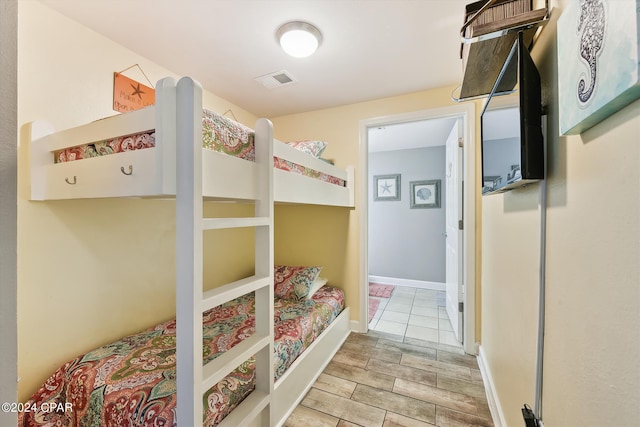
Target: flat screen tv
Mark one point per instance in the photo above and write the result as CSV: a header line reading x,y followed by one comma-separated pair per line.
x,y
512,141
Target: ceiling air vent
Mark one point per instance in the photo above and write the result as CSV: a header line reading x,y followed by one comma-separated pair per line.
x,y
277,79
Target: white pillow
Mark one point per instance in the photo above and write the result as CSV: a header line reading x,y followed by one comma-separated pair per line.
x,y
317,284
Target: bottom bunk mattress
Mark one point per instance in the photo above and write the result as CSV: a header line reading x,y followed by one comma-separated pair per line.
x,y
132,382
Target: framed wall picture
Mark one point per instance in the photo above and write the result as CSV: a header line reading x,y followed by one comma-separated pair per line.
x,y
598,66
386,187
425,194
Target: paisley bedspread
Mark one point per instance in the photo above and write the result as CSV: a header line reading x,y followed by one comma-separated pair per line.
x,y
131,382
218,133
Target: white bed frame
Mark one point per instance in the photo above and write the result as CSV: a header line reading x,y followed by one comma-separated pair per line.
x,y
152,172
192,176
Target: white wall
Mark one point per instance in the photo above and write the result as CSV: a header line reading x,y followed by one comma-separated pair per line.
x,y
407,243
8,209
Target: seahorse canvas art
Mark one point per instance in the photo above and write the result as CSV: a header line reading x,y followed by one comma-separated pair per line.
x,y
598,54
591,26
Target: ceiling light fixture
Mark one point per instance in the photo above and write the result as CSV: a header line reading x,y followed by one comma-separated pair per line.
x,y
299,39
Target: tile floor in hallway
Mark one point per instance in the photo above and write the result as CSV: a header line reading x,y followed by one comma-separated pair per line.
x,y
414,313
383,380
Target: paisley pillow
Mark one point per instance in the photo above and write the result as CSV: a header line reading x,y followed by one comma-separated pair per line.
x,y
227,136
313,148
294,282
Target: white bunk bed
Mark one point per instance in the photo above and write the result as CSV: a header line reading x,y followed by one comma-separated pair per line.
x,y
152,172
191,175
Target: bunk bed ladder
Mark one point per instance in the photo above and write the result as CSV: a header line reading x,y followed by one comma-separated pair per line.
x,y
194,379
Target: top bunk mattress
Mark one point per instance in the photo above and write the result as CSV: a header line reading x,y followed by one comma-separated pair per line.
x,y
219,134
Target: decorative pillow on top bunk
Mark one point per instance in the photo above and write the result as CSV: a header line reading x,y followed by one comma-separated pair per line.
x,y
294,282
313,148
227,136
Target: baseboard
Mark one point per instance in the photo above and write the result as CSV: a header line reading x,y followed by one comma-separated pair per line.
x,y
492,396
355,326
422,284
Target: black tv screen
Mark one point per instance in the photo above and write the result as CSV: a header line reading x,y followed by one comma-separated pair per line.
x,y
511,123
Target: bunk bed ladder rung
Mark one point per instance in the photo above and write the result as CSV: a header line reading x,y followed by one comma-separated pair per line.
x,y
193,379
248,409
220,367
230,291
222,223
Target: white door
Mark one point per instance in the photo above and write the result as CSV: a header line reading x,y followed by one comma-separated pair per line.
x,y
453,232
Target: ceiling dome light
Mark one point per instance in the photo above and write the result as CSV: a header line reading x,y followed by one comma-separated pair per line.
x,y
299,39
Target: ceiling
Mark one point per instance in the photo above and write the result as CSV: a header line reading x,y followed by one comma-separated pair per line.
x,y
404,136
371,49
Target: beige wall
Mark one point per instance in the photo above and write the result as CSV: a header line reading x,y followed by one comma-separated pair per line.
x,y
591,369
313,235
87,274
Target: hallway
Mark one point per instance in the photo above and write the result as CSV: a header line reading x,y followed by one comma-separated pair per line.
x,y
415,313
376,380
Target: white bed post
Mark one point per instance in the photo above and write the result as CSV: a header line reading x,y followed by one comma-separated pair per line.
x,y
189,253
165,119
264,260
193,379
351,184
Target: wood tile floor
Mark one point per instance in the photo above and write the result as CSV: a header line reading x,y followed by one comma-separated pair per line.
x,y
382,380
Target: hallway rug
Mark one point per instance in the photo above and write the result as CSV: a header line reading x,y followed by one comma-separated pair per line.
x,y
373,307
381,291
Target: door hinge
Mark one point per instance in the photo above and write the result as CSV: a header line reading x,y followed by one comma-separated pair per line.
x,y
461,307
461,142
460,224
